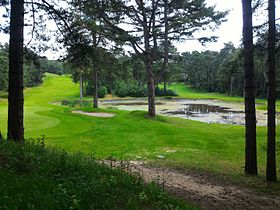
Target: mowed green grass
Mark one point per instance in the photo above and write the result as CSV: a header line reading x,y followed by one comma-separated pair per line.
x,y
184,91
132,135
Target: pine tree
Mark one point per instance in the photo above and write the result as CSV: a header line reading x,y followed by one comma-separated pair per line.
x,y
250,110
15,89
271,162
149,26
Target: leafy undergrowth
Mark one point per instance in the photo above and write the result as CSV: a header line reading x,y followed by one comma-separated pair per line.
x,y
33,177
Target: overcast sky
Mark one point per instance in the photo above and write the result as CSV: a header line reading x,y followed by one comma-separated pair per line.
x,y
228,31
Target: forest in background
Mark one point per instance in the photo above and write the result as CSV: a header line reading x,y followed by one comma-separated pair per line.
x,y
34,67
124,75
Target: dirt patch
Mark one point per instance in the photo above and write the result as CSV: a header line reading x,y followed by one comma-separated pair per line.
x,y
201,190
95,114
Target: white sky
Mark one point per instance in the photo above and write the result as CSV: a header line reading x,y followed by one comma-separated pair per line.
x,y
228,31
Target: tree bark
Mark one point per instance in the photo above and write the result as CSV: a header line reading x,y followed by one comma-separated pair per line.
x,y
149,67
16,98
231,85
151,92
166,41
95,87
81,86
271,161
250,110
164,85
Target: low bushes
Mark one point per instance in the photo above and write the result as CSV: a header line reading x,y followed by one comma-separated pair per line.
x,y
131,88
76,103
102,91
134,89
33,177
162,92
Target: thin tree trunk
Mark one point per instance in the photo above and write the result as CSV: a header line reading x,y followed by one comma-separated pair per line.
x,y
271,162
95,85
166,42
231,85
151,92
250,110
16,98
149,70
164,85
81,86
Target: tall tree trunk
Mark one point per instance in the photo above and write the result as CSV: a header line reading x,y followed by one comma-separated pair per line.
x,y
95,87
149,70
250,110
151,92
271,162
164,85
166,42
231,85
15,98
81,86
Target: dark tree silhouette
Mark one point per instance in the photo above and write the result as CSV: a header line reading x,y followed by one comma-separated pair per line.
x,y
271,162
15,98
250,110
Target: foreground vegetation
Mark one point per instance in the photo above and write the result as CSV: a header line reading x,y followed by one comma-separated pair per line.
x,y
32,177
215,148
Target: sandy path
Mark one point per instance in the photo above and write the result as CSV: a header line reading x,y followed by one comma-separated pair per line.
x,y
200,190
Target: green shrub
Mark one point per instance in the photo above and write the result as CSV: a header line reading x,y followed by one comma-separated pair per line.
x,y
102,91
120,89
131,88
161,92
76,103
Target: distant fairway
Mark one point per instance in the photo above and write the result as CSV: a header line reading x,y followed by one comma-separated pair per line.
x,y
130,135
42,117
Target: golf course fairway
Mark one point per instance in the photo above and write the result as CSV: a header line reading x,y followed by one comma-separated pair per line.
x,y
132,135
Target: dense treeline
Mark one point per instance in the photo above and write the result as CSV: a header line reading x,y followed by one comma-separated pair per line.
x,y
223,71
124,75
34,67
211,71
119,74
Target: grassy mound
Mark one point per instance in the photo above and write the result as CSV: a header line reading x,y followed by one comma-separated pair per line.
x,y
32,177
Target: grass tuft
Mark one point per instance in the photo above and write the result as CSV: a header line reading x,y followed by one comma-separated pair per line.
x,y
32,177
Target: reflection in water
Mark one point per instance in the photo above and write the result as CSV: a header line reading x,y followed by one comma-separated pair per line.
x,y
209,111
203,109
134,103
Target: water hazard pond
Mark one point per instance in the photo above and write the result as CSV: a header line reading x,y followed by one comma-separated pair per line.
x,y
209,111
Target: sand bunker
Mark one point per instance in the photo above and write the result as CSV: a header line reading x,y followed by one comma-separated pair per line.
x,y
94,114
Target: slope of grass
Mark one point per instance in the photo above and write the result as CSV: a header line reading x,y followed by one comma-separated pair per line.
x,y
184,91
32,177
131,135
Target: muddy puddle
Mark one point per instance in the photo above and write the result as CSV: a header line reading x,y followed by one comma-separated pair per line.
x,y
209,111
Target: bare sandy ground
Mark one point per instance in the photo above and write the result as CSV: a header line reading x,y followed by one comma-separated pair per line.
x,y
95,114
203,191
